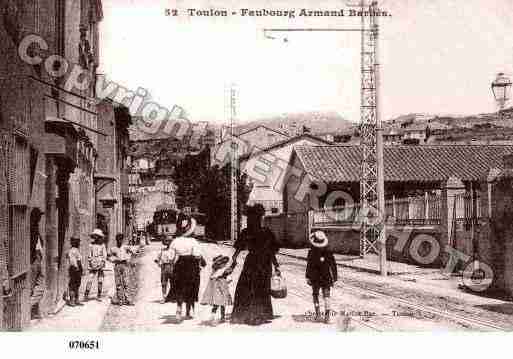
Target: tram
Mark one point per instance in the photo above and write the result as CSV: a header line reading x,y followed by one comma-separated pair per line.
x,y
164,222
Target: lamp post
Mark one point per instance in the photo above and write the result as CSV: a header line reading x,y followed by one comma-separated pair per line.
x,y
501,88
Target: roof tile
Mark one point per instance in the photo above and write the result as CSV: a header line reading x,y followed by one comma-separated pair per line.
x,y
404,163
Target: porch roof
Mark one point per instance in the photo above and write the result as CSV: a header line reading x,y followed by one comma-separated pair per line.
x,y
430,163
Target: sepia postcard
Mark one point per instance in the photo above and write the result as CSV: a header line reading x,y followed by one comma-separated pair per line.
x,y
228,166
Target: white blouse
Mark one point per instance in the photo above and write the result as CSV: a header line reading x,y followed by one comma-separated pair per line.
x,y
186,246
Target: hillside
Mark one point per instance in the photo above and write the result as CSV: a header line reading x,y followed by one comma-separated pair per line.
x,y
317,122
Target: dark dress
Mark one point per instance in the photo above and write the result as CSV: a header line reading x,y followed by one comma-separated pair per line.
x,y
321,268
252,300
186,280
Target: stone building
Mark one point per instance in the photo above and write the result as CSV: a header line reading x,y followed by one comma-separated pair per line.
x,y
113,202
48,146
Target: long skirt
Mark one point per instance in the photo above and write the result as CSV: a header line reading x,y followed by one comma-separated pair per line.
x,y
252,302
186,280
217,293
121,278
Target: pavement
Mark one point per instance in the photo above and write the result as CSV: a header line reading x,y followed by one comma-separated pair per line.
x,y
363,311
89,316
150,315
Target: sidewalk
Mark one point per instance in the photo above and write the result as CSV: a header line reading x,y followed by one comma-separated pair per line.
x,y
88,317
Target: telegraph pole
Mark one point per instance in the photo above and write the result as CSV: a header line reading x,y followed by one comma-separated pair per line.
x,y
372,189
233,166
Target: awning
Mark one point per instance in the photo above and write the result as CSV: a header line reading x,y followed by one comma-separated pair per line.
x,y
61,139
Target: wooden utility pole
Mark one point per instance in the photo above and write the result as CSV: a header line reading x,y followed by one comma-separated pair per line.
x,y
233,166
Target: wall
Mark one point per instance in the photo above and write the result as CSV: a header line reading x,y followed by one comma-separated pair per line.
x,y
495,236
146,205
267,171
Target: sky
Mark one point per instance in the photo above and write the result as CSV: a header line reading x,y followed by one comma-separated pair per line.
x,y
437,56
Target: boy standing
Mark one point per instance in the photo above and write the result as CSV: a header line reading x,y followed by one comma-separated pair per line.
x,y
321,272
97,259
75,272
165,260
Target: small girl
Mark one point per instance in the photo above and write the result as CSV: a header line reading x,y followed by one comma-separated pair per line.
x,y
217,293
321,272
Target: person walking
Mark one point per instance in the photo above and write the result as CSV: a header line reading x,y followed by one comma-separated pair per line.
x,y
97,259
120,256
321,272
187,262
217,293
75,272
252,301
165,260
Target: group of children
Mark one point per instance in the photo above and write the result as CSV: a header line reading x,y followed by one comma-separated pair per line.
x,y
97,258
321,275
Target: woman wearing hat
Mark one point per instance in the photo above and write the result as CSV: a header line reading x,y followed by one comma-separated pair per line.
x,y
217,293
187,259
321,272
252,301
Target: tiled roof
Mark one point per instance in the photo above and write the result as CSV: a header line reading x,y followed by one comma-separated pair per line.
x,y
404,163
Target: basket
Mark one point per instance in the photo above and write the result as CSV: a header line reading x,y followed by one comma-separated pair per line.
x,y
278,287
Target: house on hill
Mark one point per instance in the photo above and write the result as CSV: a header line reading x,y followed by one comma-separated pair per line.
x,y
251,140
265,169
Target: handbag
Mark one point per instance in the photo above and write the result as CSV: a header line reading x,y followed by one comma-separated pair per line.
x,y
278,287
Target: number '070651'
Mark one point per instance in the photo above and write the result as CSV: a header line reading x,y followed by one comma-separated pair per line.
x,y
84,344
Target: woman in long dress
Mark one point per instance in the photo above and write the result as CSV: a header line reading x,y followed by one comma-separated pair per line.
x,y
252,300
187,261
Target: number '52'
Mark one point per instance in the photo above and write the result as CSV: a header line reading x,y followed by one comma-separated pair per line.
x,y
171,12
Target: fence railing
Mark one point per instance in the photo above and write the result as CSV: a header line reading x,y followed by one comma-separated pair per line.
x,y
425,210
467,208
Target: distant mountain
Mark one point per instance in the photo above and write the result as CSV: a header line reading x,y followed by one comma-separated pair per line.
x,y
317,122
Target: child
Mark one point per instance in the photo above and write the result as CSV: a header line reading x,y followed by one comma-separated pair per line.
x,y
97,259
75,272
165,260
217,293
120,256
321,272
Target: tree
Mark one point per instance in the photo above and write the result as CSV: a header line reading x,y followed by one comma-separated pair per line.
x,y
215,202
208,190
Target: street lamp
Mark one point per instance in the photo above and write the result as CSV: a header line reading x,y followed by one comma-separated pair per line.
x,y
501,88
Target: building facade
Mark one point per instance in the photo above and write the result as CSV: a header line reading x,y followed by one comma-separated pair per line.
x,y
50,132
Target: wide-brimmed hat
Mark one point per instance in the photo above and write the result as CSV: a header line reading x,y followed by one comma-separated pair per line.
x,y
318,239
185,226
219,261
97,233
